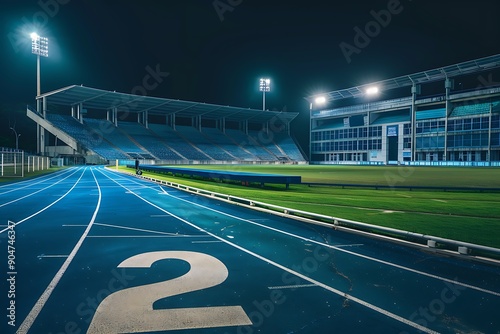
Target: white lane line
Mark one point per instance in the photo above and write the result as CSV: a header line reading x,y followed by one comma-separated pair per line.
x,y
137,229
36,192
39,180
50,256
444,279
306,278
351,245
206,242
48,206
339,248
292,286
35,311
147,236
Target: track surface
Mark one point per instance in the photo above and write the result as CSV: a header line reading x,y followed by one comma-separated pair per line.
x,y
100,252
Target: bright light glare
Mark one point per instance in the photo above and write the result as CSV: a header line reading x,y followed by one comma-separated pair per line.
x,y
372,90
34,35
320,100
265,85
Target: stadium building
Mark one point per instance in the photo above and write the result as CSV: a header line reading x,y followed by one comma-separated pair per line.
x,y
80,124
444,116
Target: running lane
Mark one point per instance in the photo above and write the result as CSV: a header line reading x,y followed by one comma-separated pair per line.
x,y
147,258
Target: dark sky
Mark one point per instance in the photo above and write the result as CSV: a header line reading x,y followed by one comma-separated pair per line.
x,y
217,55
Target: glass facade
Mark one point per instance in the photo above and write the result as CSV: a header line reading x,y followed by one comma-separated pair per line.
x,y
466,139
347,139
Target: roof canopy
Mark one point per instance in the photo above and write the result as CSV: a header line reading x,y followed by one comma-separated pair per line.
x,y
437,74
92,98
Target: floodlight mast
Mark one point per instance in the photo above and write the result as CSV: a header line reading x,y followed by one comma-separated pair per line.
x,y
264,86
39,47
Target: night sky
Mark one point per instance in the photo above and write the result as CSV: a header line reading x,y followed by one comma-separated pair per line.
x,y
215,51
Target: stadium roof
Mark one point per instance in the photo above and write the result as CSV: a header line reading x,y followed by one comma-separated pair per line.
x,y
92,98
437,74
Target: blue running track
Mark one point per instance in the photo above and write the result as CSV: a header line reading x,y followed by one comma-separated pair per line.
x,y
89,250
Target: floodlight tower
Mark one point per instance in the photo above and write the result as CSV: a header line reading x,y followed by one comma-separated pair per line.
x,y
39,47
265,86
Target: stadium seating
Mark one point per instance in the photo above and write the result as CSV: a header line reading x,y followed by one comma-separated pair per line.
x,y
473,109
174,139
151,142
131,140
218,137
289,147
115,136
251,145
89,138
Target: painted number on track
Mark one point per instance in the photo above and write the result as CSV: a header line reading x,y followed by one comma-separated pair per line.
x,y
131,310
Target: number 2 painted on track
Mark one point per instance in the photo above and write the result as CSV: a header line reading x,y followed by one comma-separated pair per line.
x,y
131,310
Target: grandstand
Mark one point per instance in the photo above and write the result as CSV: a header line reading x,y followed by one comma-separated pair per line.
x,y
450,125
105,127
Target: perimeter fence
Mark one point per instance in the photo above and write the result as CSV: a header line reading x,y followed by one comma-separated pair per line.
x,y
18,163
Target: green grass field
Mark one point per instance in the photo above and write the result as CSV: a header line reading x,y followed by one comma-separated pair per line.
x,y
469,216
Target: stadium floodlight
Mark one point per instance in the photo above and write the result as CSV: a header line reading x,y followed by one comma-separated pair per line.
x,y
264,86
39,47
372,90
320,100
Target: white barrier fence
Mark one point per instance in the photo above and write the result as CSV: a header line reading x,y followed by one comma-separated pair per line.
x,y
14,163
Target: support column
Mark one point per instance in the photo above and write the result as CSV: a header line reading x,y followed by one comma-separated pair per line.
x,y
448,86
40,139
39,105
415,89
79,114
44,107
146,121
488,158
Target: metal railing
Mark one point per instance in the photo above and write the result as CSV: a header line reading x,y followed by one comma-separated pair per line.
x,y
17,163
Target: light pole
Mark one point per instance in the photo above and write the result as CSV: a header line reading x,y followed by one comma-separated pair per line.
x,y
17,137
39,47
264,86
